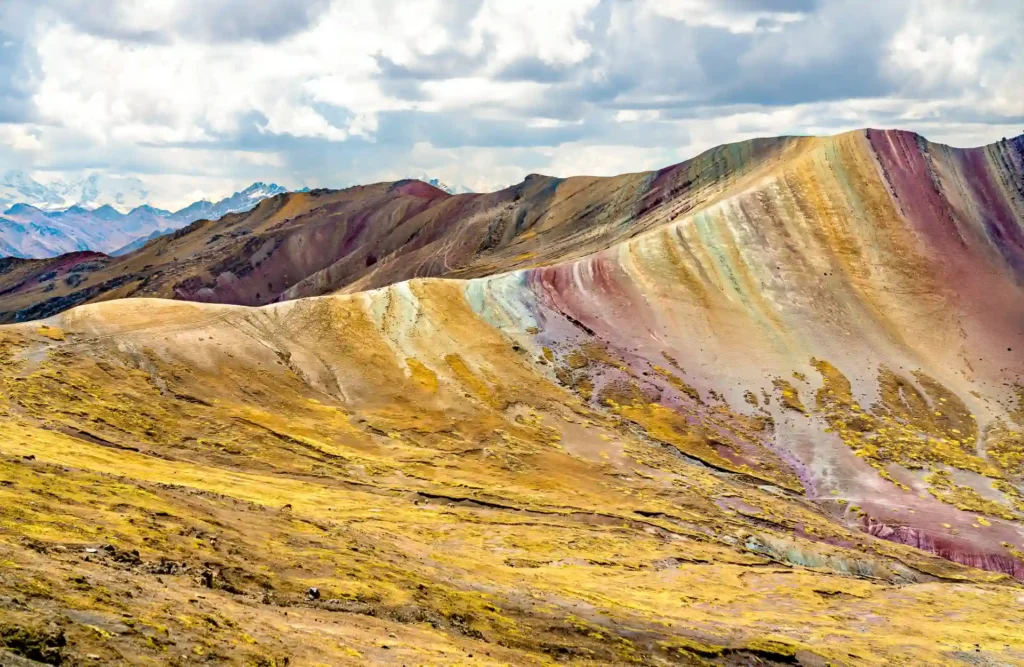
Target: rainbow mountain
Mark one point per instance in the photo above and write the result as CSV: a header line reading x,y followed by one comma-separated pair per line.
x,y
761,407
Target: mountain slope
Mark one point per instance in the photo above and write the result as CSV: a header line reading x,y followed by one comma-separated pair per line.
x,y
303,244
413,454
138,243
761,408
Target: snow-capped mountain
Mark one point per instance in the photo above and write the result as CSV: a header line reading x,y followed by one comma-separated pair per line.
x,y
44,230
18,187
236,203
121,192
91,191
450,189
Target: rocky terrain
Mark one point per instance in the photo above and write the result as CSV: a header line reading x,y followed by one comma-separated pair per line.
x,y
763,407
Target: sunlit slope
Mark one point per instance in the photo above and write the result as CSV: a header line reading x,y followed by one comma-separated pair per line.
x,y
461,468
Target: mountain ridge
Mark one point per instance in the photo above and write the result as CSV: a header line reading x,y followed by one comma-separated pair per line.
x,y
345,257
342,220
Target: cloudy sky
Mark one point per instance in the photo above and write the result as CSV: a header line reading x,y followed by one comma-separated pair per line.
x,y
202,97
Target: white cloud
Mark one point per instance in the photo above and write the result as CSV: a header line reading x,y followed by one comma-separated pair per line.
x,y
608,160
637,115
480,170
541,122
20,138
718,14
179,91
478,91
208,95
939,49
544,29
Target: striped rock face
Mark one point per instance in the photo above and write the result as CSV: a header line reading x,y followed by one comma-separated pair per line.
x,y
864,300
764,407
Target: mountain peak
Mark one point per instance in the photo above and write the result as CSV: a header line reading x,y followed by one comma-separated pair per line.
x,y
260,186
146,208
107,212
22,209
15,177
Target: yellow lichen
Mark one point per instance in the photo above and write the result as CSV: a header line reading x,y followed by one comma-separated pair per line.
x,y
53,333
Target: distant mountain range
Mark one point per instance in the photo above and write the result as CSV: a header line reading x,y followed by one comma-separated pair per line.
x,y
91,191
43,226
45,220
